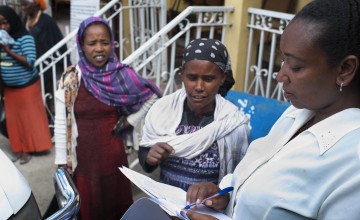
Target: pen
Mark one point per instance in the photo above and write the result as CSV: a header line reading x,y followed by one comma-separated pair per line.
x,y
220,193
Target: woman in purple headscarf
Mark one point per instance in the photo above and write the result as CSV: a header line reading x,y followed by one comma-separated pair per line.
x,y
96,93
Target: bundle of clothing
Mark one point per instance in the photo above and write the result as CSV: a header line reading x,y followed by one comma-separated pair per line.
x,y
5,38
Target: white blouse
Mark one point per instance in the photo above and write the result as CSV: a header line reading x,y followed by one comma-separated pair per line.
x,y
316,175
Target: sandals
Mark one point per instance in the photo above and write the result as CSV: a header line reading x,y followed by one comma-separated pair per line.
x,y
14,157
25,158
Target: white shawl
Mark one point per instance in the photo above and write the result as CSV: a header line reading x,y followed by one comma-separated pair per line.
x,y
165,116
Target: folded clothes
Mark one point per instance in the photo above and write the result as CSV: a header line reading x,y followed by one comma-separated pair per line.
x,y
5,38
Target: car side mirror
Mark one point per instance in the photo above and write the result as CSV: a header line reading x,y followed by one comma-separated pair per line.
x,y
67,196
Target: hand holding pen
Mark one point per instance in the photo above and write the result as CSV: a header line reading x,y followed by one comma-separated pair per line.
x,y
219,193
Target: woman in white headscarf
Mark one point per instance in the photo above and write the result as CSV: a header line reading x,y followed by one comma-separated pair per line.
x,y
195,134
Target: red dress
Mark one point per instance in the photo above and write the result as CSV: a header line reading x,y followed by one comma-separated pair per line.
x,y
105,192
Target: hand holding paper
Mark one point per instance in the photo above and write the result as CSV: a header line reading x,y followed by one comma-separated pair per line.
x,y
170,198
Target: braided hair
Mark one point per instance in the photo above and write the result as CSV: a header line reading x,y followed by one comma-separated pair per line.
x,y
337,25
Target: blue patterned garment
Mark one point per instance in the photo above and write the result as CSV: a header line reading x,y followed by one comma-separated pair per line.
x,y
182,172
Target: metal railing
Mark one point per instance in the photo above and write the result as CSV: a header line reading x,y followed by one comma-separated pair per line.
x,y
166,46
263,54
263,59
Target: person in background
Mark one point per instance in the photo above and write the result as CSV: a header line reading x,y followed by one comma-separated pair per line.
x,y
202,136
26,122
90,99
46,34
308,166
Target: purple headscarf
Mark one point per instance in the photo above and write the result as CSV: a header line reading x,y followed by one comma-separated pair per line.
x,y
114,84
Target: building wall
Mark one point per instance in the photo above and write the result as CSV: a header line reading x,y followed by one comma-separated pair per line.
x,y
237,36
301,4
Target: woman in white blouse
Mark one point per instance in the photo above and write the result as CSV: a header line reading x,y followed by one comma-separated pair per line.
x,y
308,166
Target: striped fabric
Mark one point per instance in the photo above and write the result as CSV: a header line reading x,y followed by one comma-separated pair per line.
x,y
12,72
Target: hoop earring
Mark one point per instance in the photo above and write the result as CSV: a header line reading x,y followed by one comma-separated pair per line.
x,y
341,85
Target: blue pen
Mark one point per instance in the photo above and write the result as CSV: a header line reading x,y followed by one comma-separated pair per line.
x,y
220,193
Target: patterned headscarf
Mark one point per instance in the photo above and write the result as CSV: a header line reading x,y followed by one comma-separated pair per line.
x,y
214,51
114,84
17,28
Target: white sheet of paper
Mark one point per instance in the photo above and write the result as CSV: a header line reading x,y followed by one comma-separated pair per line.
x,y
170,198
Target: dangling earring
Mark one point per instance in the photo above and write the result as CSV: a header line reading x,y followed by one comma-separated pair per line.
x,y
341,85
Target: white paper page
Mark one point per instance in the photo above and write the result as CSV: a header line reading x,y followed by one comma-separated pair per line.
x,y
171,199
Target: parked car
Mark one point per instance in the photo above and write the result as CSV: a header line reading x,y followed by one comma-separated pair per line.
x,y
18,202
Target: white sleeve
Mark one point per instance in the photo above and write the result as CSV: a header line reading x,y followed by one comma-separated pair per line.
x,y
226,181
60,127
135,118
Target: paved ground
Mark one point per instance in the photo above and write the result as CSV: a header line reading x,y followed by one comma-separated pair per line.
x,y
40,170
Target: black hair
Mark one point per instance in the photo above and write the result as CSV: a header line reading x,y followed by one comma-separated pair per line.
x,y
337,31
92,24
17,28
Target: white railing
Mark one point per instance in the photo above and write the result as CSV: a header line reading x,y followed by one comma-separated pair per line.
x,y
263,56
265,29
166,46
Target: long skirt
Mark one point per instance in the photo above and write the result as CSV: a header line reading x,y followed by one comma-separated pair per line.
x,y
26,121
